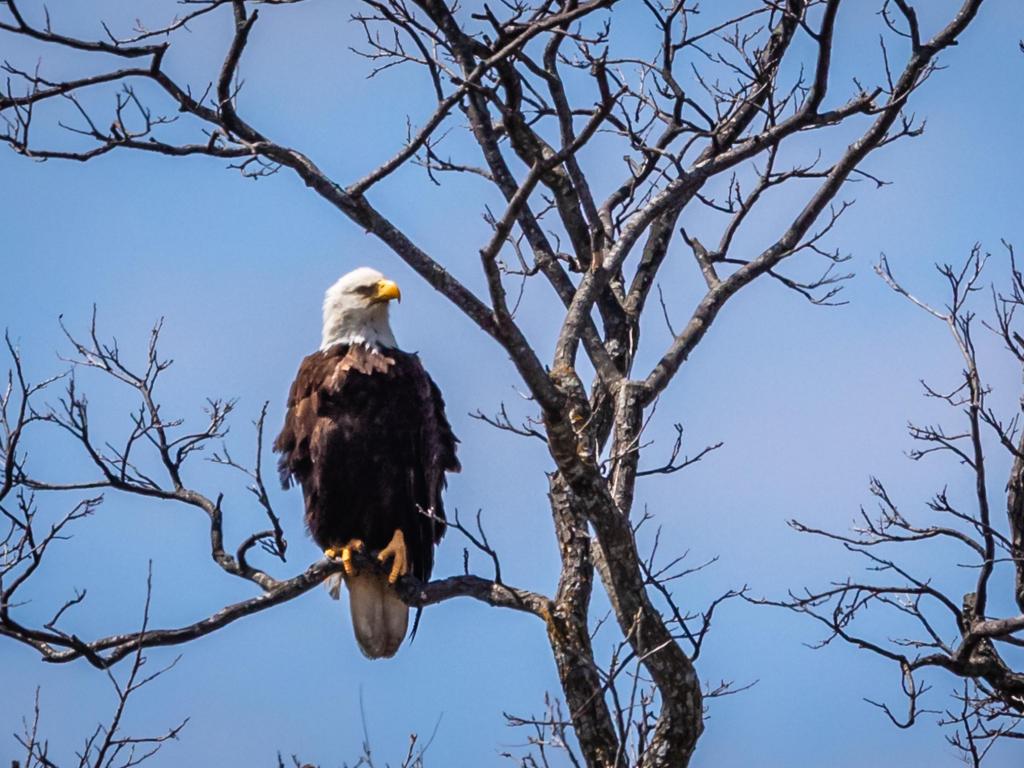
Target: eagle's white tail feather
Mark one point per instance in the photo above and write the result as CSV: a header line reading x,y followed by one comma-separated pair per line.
x,y
333,584
379,617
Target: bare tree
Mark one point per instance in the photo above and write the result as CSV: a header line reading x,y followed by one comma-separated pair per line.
x,y
955,612
535,86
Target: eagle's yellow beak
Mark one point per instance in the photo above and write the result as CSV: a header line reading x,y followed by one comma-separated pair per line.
x,y
387,290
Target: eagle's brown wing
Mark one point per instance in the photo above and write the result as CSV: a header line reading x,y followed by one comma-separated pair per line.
x,y
320,380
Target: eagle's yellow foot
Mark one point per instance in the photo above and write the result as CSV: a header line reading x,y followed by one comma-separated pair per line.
x,y
395,551
344,554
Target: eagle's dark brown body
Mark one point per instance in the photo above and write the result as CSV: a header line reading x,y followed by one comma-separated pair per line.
x,y
366,437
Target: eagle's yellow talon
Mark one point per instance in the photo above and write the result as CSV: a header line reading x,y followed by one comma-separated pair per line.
x,y
344,554
395,551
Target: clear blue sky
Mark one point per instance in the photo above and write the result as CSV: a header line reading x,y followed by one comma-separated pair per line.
x,y
809,402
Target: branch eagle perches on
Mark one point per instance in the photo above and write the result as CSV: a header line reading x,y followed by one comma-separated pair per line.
x,y
706,120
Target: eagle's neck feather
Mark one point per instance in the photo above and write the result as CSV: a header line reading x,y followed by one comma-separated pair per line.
x,y
368,326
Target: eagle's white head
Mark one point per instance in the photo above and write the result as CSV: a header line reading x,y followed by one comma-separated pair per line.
x,y
356,310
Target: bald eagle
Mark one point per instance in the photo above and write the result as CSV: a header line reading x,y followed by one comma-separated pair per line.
x,y
366,437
